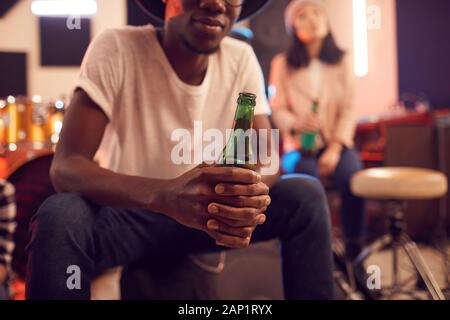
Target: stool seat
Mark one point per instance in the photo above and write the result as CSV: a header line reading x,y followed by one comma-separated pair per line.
x,y
399,183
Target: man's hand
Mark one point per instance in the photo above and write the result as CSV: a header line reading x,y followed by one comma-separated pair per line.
x,y
236,215
225,202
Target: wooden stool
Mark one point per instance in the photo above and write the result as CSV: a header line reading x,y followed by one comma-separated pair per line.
x,y
396,186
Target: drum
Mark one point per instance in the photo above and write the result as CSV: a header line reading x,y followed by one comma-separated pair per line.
x,y
28,170
30,122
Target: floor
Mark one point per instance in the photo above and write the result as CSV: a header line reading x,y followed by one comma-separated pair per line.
x,y
433,258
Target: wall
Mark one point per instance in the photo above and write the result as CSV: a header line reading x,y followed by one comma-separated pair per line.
x,y
19,31
424,50
379,89
375,93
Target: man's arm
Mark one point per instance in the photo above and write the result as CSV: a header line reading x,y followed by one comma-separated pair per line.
x,y
263,122
191,199
73,168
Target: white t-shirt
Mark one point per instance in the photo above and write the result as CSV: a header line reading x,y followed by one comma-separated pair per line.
x,y
126,72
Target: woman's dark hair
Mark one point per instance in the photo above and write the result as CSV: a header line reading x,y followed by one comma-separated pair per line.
x,y
297,55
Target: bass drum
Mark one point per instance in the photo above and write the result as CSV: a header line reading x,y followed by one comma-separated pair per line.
x,y
29,173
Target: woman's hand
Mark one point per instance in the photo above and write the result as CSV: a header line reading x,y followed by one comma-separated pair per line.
x,y
329,160
308,123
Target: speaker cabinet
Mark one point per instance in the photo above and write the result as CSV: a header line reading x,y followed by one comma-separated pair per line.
x,y
417,146
443,138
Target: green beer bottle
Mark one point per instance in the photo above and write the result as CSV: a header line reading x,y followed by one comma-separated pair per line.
x,y
308,139
238,151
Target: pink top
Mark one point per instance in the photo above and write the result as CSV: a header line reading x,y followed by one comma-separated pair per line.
x,y
292,94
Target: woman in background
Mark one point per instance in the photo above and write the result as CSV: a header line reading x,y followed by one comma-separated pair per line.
x,y
311,94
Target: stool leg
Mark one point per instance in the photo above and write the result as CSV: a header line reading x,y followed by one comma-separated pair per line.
x,y
396,229
422,268
395,279
344,281
376,246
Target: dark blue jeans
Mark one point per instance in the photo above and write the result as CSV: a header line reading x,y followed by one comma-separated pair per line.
x,y
67,230
352,211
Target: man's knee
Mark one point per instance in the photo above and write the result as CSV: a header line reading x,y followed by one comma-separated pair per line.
x,y
60,214
301,190
304,200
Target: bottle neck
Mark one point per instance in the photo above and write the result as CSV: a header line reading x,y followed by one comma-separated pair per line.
x,y
243,118
315,106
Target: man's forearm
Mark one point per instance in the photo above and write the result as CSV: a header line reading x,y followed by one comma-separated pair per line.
x,y
104,187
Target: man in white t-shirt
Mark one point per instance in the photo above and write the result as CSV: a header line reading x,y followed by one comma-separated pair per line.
x,y
137,86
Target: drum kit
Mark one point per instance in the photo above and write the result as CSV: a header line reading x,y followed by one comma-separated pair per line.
x,y
30,122
29,131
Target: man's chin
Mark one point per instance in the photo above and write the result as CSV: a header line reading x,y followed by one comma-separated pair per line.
x,y
197,49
